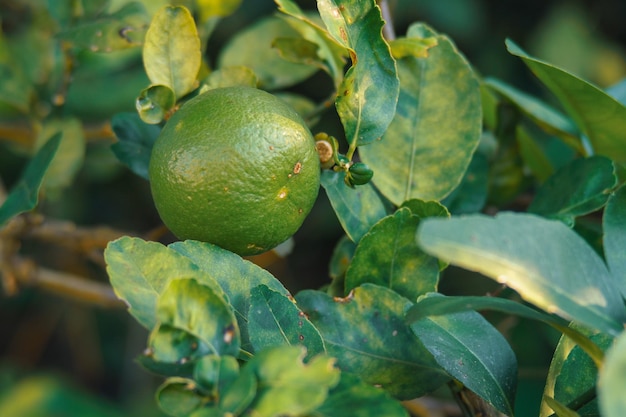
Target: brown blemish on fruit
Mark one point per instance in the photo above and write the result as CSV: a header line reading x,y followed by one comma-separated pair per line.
x,y
297,168
282,194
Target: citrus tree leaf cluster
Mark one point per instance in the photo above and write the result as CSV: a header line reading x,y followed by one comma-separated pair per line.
x,y
435,166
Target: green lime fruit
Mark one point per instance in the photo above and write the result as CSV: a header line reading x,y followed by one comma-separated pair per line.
x,y
237,167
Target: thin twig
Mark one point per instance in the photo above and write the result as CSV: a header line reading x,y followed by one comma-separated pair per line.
x,y
65,284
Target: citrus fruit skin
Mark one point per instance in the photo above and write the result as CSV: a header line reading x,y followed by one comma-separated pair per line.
x,y
237,167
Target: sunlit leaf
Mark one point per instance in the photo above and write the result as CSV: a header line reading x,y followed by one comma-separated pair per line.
x,y
171,52
546,262
235,275
134,141
254,48
188,305
178,397
429,145
330,53
139,271
287,385
216,8
154,102
475,353
125,28
24,195
215,373
367,333
612,378
172,351
357,209
275,320
389,256
228,77
614,226
353,397
600,117
366,99
579,188
414,47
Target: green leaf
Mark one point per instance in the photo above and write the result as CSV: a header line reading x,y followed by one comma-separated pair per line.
x,y
237,396
228,77
429,145
215,373
188,305
575,384
560,409
470,349
139,272
70,155
424,209
135,140
275,320
216,8
547,263
171,52
178,397
542,114
357,209
253,48
613,379
413,47
331,54
389,256
123,29
352,397
235,275
172,351
614,226
154,103
366,99
436,306
287,385
600,117
533,154
367,334
24,195
471,194
579,188
339,263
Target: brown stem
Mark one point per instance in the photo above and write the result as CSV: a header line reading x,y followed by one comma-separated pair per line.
x,y
16,271
65,284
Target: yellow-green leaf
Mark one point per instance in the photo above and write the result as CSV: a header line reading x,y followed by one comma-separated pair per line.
x,y
171,53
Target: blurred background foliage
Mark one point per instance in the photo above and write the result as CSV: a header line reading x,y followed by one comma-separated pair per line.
x,y
60,357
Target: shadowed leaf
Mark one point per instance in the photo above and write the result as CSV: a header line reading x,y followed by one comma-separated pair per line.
x,y
24,196
367,333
